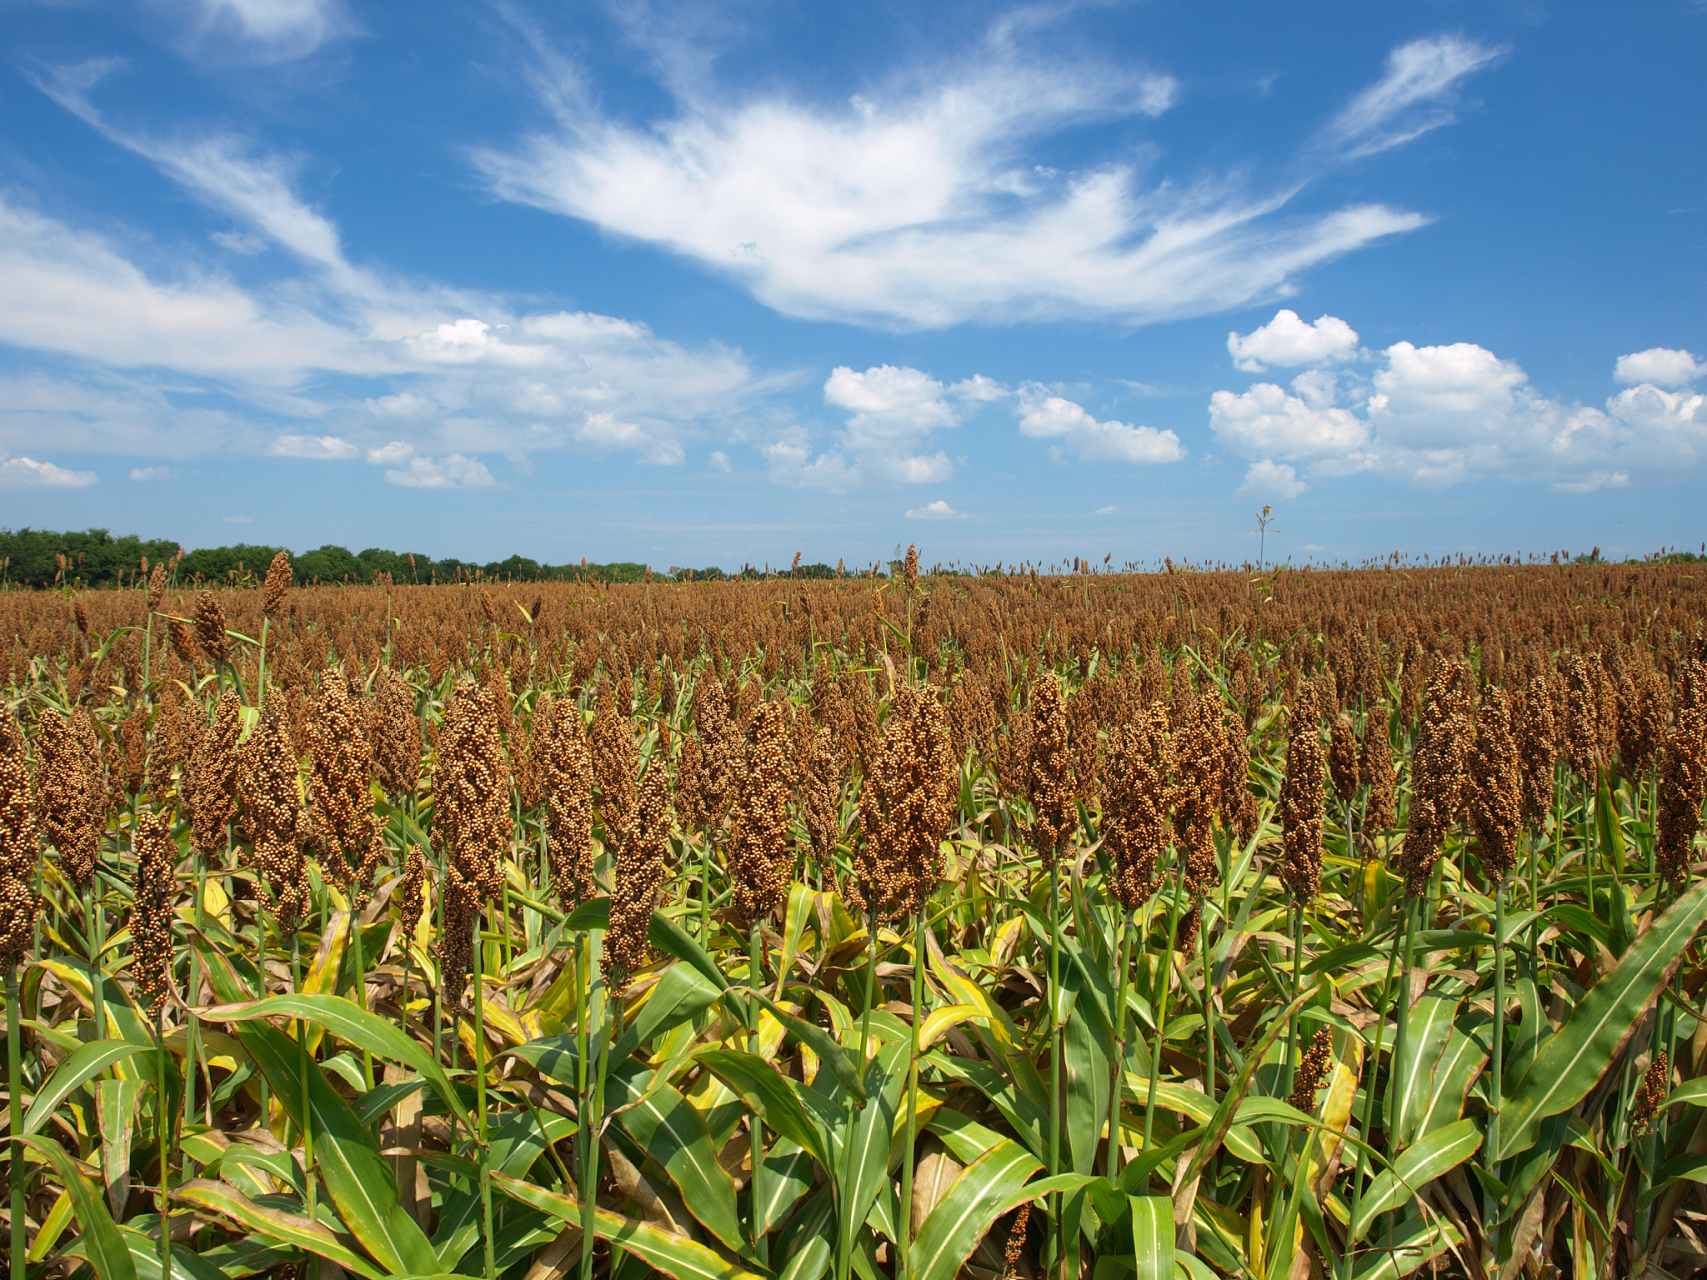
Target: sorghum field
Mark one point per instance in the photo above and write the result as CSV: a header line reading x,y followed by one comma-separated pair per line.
x,y
1195,923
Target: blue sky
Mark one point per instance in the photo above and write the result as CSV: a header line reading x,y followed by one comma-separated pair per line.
x,y
704,284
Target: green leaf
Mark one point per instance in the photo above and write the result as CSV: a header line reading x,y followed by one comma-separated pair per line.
x,y
872,1136
1153,1236
345,1155
1429,1158
786,1106
353,1025
1428,1026
1572,1062
680,994
831,1054
670,938
673,1133
105,1247
674,1255
1413,1243
1467,1050
274,1224
963,1217
80,1067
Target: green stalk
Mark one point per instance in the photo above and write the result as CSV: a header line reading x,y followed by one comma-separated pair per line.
x,y
15,1114
705,889
484,1150
755,1127
846,1229
1497,1076
1055,1057
1407,931
302,1075
1117,1077
1159,1000
361,982
1360,1176
96,926
163,1130
261,668
593,1102
904,1228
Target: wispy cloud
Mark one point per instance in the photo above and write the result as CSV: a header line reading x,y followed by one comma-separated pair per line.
x,y
26,473
1416,93
920,207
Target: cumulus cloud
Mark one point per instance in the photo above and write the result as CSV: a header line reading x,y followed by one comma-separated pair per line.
x,y
390,453
1266,478
1439,415
1051,417
1661,366
938,510
719,461
943,200
319,448
892,413
1416,93
453,471
26,473
1288,341
145,474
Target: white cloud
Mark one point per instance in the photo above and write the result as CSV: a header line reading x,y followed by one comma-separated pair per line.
x,y
1266,478
1661,366
1439,415
892,413
453,471
146,474
719,461
934,203
978,390
319,448
1413,96
27,473
1287,340
1106,511
388,454
259,31
1267,421
1044,416
938,510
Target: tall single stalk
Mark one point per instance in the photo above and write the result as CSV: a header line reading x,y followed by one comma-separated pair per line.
x,y
1361,1176
1159,999
1055,1058
592,1093
755,1126
361,986
1117,1076
163,1132
97,927
484,1151
15,1115
904,1227
846,1228
1497,1077
302,1077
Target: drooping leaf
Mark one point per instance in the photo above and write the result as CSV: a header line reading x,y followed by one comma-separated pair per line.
x,y
105,1248
1574,1059
83,1065
964,1215
1430,1157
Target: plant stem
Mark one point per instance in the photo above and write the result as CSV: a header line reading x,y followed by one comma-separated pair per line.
x,y
302,1076
163,1130
1117,1076
1360,1176
592,1098
361,982
755,1126
1055,1058
15,1115
484,1152
1497,1076
1159,1000
904,1228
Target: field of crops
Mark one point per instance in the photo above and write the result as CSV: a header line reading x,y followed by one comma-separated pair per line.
x,y
921,925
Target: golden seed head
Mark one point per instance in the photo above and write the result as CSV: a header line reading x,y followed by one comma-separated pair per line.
x,y
1495,792
761,856
1656,1083
638,874
156,587
906,803
274,817
1312,1071
566,764
1301,804
20,850
71,794
1135,803
209,786
210,627
276,584
340,789
156,889
1048,773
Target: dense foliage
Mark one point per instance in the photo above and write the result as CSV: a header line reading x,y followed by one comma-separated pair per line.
x,y
1091,925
